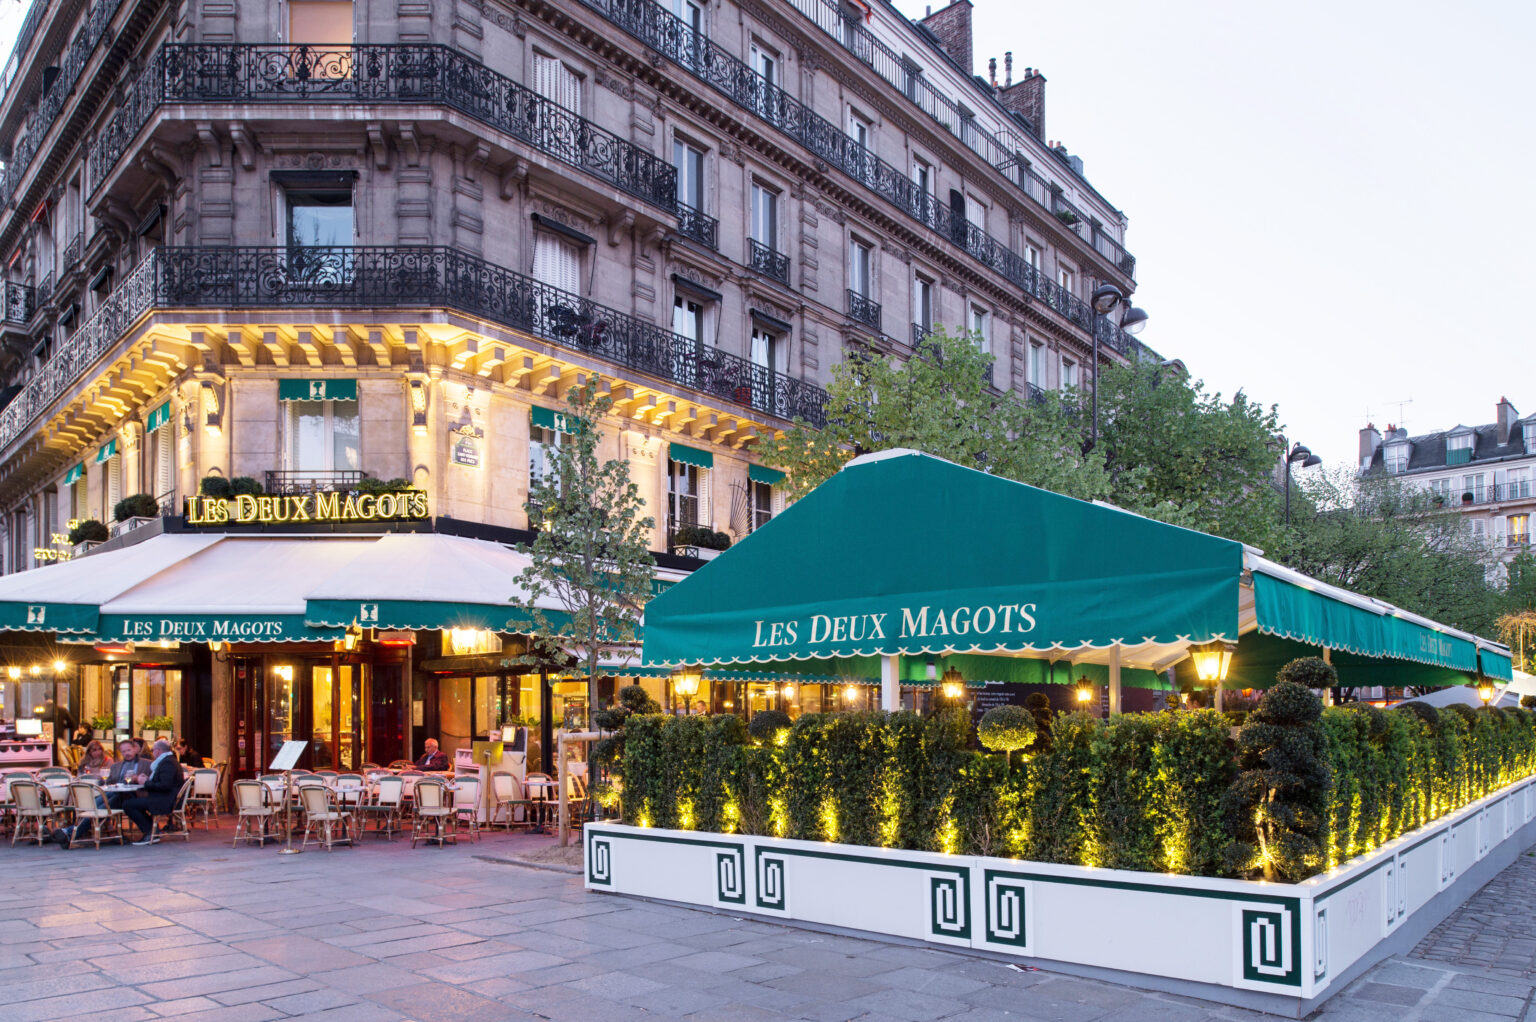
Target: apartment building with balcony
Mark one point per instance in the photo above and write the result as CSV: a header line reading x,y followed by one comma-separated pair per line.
x,y
314,242
1485,472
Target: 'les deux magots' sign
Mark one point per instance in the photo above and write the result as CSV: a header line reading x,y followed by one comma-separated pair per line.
x,y
318,508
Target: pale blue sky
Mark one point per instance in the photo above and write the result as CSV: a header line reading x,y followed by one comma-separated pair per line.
x,y
1331,203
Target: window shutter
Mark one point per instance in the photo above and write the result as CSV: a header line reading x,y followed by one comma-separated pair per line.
x,y
164,448
114,485
544,76
778,501
706,508
556,263
569,88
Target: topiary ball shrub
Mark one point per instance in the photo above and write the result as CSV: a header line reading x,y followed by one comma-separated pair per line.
x,y
1463,711
245,486
1276,809
1309,672
1528,702
88,531
214,486
767,725
139,505
1007,729
1039,705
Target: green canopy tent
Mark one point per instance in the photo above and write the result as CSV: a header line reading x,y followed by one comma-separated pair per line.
x,y
902,558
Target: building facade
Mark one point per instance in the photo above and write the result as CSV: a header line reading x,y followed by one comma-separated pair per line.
x,y
1485,472
320,244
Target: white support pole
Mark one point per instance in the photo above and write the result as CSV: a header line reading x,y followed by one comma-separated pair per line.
x,y
1327,692
1218,692
1114,680
890,682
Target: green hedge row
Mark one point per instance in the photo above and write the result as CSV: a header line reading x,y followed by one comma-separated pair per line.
x,y
1158,791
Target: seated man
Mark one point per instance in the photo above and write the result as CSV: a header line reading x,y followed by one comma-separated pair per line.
x,y
433,760
159,794
130,764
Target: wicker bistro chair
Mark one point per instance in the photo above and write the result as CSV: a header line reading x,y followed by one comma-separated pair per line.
x,y
507,796
320,813
177,819
353,798
204,800
34,812
386,805
254,811
221,801
433,817
466,803
106,823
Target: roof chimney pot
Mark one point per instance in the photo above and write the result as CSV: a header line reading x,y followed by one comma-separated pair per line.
x,y
1007,68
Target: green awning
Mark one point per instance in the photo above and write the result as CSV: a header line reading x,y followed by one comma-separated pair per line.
x,y
74,475
690,455
902,553
158,417
1259,657
318,388
106,450
63,618
764,474
222,627
407,614
548,418
1495,664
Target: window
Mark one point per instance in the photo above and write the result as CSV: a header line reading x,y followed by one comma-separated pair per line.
x,y
1440,489
161,450
766,65
1519,530
767,357
1032,255
858,268
688,318
319,217
112,485
556,82
1037,363
1396,458
1068,374
320,22
765,216
689,162
557,262
912,78
1479,528
1460,442
975,212
691,14
543,448
922,303
687,496
981,328
862,160
764,500
1472,484
1064,277
321,436
923,180
1518,484
858,129
79,509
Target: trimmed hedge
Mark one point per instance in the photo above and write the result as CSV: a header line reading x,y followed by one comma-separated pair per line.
x,y
1165,792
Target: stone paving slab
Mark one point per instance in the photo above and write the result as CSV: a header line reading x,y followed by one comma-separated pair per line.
x,y
387,934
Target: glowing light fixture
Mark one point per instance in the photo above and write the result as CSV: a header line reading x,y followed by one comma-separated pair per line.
x,y
850,692
110,648
37,670
788,692
1084,691
59,666
685,681
1485,691
14,673
954,684
1212,661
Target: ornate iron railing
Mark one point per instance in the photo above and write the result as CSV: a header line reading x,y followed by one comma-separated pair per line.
x,y
295,481
72,250
767,262
45,289
695,225
403,276
668,35
23,40
380,74
20,302
861,309
42,120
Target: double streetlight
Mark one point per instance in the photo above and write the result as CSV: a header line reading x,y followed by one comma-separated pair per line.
x,y
1110,302
1296,454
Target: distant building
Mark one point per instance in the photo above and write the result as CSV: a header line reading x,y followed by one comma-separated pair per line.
x,y
1485,471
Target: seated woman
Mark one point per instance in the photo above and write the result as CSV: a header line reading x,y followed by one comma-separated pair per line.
x,y
94,760
186,755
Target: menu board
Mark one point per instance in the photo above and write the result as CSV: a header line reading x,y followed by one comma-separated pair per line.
x,y
997,694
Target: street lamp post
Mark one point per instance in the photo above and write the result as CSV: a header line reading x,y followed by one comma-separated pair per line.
x,y
1106,300
1296,454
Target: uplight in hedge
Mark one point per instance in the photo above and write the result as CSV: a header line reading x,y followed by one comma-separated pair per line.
x,y
1212,660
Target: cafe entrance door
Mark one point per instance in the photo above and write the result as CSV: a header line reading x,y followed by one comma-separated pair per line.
x,y
338,705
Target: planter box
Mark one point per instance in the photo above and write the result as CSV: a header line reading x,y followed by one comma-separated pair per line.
x,y
1277,947
702,553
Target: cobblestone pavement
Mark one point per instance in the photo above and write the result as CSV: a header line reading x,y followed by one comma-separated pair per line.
x,y
200,930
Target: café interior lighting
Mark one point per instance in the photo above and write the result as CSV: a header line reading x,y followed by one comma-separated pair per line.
x,y
59,666
788,692
850,692
37,670
14,673
395,637
954,684
418,408
112,648
1212,661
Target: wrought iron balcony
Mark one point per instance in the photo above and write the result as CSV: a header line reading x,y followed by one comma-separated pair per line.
x,y
1034,394
296,481
767,262
396,277
45,289
1521,540
20,302
920,334
862,310
695,226
76,56
72,250
405,74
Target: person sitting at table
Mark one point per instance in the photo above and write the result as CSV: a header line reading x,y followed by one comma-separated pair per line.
x,y
161,783
93,761
186,755
129,763
83,735
432,760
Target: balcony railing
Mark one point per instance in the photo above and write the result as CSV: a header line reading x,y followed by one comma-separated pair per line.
x,y
1489,493
72,250
395,277
297,481
45,289
668,35
406,74
767,262
20,302
862,310
695,226
43,118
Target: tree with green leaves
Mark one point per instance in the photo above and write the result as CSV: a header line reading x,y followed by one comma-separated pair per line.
x,y
591,551
1176,453
941,401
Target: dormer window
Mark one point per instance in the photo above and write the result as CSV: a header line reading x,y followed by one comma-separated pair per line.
x,y
1458,448
1396,458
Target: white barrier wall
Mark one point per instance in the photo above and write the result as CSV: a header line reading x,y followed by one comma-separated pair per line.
x,y
1293,941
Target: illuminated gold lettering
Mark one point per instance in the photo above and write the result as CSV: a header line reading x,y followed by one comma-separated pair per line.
x,y
245,508
419,504
385,508
365,506
326,506
301,509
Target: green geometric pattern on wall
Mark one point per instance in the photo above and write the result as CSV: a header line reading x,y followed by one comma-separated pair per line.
x,y
1005,902
949,902
1269,939
730,877
599,869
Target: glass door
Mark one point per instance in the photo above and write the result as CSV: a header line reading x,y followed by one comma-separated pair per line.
x,y
280,707
336,716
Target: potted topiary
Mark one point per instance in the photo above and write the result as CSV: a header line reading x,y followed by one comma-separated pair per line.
x,y
102,727
135,510
1007,729
245,486
699,541
214,486
156,727
87,534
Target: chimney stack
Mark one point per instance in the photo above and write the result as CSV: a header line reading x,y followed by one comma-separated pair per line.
x,y
1007,69
1370,443
1506,417
952,25
1026,97
992,71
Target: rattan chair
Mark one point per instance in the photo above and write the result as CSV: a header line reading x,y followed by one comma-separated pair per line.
x,y
386,805
89,805
320,812
432,814
34,812
204,800
466,803
254,810
506,796
178,825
